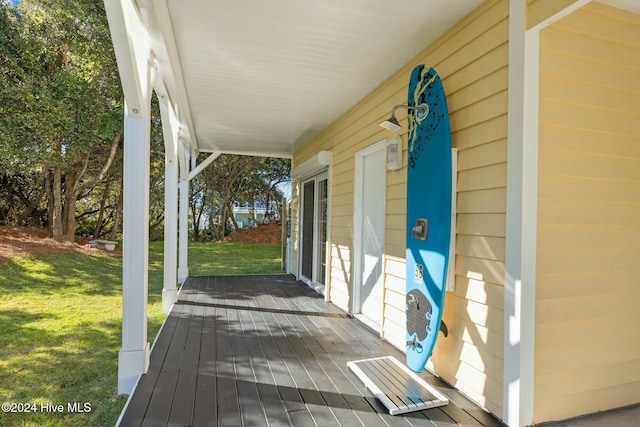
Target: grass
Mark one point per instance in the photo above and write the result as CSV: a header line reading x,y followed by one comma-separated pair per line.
x,y
60,326
206,259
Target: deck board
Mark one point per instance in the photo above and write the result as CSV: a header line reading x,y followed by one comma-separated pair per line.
x,y
267,350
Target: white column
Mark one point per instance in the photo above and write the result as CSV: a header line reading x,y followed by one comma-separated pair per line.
x,y
133,359
170,129
522,194
183,255
169,291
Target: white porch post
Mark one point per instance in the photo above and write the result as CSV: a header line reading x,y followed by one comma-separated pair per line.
x,y
183,255
169,291
133,359
170,133
521,221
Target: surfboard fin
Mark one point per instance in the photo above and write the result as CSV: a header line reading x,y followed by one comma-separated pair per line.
x,y
444,329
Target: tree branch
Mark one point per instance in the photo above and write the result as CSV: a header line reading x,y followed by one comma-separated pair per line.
x,y
112,155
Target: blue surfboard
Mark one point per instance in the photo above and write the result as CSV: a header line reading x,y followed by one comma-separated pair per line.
x,y
429,184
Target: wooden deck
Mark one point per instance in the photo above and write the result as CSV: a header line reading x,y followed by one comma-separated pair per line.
x,y
267,350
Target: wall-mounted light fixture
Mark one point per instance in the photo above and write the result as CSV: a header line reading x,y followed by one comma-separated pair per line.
x,y
394,153
422,111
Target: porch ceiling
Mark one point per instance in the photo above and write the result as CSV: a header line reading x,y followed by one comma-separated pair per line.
x,y
264,77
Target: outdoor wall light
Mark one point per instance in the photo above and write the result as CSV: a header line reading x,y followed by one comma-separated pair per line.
x,y
394,153
392,124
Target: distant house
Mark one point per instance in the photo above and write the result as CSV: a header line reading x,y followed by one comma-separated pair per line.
x,y
248,216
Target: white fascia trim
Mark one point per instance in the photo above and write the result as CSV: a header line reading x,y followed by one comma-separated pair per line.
x,y
521,222
253,153
162,41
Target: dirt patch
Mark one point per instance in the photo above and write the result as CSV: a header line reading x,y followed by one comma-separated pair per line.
x,y
266,233
35,240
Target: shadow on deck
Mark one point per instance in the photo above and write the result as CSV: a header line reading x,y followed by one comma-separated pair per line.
x,y
267,350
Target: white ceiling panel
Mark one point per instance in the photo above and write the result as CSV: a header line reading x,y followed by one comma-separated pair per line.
x,y
265,76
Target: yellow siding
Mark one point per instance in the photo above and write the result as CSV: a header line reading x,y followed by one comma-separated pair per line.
x,y
472,60
588,260
541,10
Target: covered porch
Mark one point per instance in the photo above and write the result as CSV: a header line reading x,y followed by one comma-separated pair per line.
x,y
268,350
249,78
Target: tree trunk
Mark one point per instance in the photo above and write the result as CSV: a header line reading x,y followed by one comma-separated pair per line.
x,y
49,194
196,219
223,221
252,213
74,188
156,222
57,231
69,217
31,206
267,217
103,202
233,218
69,224
118,213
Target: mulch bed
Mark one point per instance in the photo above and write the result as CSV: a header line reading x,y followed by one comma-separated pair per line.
x,y
266,233
16,241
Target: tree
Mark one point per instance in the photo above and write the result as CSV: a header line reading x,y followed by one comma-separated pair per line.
x,y
231,180
60,101
270,175
21,196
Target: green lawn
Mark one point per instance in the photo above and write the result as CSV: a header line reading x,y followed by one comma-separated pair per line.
x,y
233,258
60,326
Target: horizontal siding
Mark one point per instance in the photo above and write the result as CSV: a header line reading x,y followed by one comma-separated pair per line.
x,y
471,357
472,60
541,10
588,237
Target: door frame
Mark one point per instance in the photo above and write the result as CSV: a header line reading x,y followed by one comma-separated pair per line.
x,y
356,273
317,244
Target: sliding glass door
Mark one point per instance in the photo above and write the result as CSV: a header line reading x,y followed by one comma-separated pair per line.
x,y
313,230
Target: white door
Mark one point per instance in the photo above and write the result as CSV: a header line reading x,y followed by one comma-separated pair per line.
x,y
369,242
